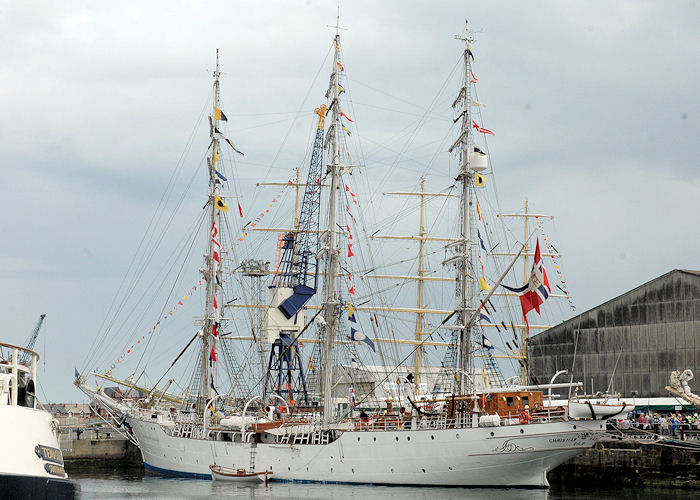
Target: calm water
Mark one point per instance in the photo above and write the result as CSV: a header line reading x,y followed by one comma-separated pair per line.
x,y
132,483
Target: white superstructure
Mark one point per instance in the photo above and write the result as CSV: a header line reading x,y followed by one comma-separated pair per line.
x,y
31,462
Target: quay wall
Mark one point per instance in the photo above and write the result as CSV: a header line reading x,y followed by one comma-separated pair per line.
x,y
109,451
632,462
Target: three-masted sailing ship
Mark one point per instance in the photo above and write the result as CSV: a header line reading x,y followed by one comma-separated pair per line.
x,y
292,423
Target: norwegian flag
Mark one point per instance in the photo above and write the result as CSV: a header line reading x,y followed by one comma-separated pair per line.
x,y
537,289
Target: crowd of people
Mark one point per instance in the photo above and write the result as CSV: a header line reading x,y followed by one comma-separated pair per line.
x,y
661,424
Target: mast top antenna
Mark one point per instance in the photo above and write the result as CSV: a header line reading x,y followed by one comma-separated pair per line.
x,y
217,73
337,22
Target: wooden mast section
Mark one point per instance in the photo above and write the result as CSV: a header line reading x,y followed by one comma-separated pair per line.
x,y
420,278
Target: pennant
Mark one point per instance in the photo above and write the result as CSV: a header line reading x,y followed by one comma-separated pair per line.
x,y
345,116
214,331
483,284
477,104
215,158
351,397
352,290
481,241
220,136
484,315
219,204
216,306
485,342
361,337
340,66
481,129
345,129
219,115
478,211
469,52
479,180
212,354
340,89
472,78
350,254
351,313
220,176
240,210
354,197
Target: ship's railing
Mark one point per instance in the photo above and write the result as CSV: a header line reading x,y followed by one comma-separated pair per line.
x,y
17,378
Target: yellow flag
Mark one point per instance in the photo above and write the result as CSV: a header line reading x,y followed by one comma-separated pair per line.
x,y
215,158
479,179
219,204
483,284
351,311
219,115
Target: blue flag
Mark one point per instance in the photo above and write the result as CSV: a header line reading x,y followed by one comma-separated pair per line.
x,y
361,337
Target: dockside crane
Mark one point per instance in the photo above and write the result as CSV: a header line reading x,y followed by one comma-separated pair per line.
x,y
295,283
29,343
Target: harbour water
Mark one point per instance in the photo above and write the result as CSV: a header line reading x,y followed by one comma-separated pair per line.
x,y
133,483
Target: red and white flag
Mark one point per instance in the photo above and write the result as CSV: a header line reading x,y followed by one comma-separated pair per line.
x,y
472,78
481,129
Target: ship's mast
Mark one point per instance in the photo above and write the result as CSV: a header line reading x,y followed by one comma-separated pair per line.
x,y
330,303
209,339
466,177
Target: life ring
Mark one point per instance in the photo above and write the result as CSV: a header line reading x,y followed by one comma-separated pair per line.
x,y
524,417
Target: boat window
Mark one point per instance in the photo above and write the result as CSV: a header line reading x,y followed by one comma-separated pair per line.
x,y
526,400
510,401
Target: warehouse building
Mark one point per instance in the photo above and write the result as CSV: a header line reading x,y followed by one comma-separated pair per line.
x,y
630,344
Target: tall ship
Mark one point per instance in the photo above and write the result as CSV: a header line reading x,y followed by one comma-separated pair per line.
x,y
31,461
323,390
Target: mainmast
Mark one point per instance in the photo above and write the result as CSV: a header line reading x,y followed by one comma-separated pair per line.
x,y
330,303
466,177
212,269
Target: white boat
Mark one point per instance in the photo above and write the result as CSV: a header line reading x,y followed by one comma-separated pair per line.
x,y
597,407
464,434
31,462
220,473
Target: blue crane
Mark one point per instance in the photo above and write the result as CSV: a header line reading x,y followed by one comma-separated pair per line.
x,y
298,271
29,343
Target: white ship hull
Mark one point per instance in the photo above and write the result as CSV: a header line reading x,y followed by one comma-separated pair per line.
x,y
516,455
31,463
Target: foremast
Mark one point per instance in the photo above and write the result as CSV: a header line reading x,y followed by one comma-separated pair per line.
x,y
330,305
465,286
212,268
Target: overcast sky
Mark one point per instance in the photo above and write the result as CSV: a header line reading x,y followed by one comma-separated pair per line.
x,y
594,105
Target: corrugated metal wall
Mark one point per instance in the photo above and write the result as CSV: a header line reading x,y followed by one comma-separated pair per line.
x,y
639,337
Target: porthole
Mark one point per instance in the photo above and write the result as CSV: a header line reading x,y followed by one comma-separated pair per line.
x,y
374,438
408,438
358,439
522,431
450,467
492,434
397,438
574,427
423,470
432,437
392,470
353,470
331,469
288,468
457,436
